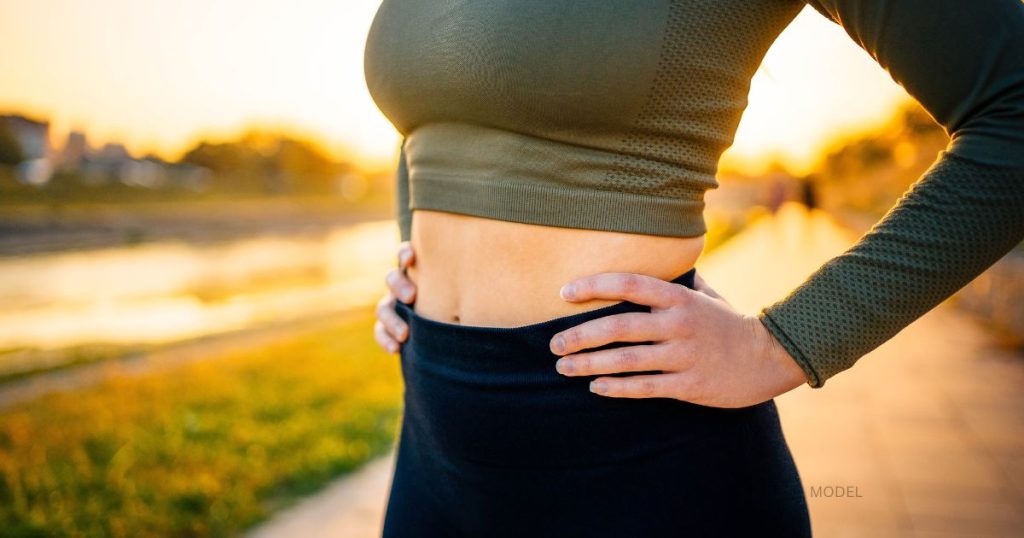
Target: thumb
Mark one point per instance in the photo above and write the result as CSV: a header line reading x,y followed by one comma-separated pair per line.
x,y
699,284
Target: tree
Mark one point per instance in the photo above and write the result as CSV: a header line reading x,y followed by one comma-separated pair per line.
x,y
221,158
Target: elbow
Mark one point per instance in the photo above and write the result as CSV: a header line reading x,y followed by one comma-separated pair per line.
x,y
994,149
991,132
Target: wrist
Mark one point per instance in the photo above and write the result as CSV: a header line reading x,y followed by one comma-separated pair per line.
x,y
784,365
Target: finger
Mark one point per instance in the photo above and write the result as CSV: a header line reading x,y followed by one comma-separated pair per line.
x,y
632,287
699,283
635,386
627,327
623,359
383,339
406,256
386,301
400,285
396,327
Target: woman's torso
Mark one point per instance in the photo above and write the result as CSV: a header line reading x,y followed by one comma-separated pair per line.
x,y
552,122
486,272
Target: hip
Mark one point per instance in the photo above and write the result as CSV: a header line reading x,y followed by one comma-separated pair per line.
x,y
491,395
497,442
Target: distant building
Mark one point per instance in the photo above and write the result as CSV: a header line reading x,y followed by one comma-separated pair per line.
x,y
93,166
33,139
76,149
108,163
191,177
112,153
33,136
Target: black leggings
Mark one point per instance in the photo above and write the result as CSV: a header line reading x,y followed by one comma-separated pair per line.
x,y
494,442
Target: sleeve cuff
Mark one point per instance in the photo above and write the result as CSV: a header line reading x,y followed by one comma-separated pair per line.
x,y
814,379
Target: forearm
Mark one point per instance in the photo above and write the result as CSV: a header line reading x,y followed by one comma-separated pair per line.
x,y
963,60
949,227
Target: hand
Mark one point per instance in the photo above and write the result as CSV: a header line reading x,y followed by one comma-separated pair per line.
x,y
708,353
390,330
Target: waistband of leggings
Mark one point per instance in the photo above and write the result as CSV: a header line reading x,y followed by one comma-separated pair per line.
x,y
512,346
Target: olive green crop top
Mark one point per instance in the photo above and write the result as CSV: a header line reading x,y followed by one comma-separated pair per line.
x,y
612,115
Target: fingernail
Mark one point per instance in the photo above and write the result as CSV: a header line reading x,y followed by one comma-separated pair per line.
x,y
403,256
564,366
558,344
567,291
392,347
598,386
405,293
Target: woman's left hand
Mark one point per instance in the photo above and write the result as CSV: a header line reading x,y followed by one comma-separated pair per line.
x,y
709,353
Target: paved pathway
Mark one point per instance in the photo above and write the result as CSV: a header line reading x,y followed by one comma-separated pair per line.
x,y
924,437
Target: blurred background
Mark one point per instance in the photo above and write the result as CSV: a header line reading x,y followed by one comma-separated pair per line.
x,y
196,216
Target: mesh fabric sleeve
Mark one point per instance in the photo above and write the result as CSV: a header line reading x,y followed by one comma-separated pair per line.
x,y
963,61
402,211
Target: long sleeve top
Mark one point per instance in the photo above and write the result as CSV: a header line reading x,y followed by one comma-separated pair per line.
x,y
963,60
612,116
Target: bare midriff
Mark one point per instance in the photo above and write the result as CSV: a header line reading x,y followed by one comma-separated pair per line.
x,y
493,273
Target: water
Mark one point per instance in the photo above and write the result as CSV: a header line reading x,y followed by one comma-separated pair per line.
x,y
171,291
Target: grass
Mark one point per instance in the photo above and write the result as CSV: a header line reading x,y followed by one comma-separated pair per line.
x,y
207,449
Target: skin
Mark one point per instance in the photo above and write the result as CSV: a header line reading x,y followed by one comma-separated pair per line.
x,y
708,353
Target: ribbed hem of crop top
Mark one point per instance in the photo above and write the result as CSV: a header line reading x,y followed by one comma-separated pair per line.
x,y
495,173
592,210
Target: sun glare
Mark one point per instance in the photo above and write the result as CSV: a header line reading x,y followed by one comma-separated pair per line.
x,y
158,75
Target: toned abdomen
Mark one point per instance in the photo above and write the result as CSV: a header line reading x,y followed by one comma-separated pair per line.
x,y
494,273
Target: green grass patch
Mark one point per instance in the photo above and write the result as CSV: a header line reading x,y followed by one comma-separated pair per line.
x,y
207,449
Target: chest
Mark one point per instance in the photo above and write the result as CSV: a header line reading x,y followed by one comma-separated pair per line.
x,y
523,60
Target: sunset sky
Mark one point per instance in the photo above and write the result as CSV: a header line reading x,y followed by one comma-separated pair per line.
x,y
158,74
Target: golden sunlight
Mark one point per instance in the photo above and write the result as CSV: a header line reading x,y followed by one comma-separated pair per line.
x,y
158,75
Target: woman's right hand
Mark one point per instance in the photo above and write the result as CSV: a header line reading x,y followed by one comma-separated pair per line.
x,y
390,330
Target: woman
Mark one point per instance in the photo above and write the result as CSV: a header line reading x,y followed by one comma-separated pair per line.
x,y
552,143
